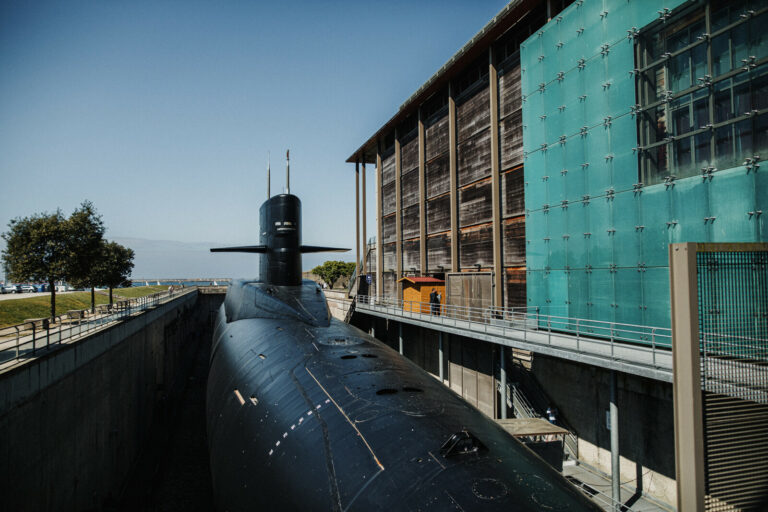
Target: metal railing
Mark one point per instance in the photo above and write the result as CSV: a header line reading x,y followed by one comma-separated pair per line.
x,y
28,339
640,349
530,318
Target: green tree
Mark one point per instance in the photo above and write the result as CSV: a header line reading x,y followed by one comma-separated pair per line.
x,y
86,231
331,271
114,266
37,249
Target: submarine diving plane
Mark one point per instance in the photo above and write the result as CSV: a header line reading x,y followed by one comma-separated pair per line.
x,y
305,412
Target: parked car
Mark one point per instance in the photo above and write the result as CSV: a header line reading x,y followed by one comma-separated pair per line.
x,y
28,288
11,288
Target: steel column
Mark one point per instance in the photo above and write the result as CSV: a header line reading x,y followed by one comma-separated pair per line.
x,y
615,461
365,234
498,263
379,221
400,336
686,386
503,381
423,268
452,166
440,355
398,217
357,218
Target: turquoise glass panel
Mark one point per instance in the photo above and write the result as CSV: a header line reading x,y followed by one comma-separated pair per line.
x,y
656,296
536,189
732,195
573,181
536,290
536,250
629,293
625,170
599,176
655,214
601,295
578,294
601,239
557,242
555,96
626,219
576,220
690,206
761,203
555,162
558,293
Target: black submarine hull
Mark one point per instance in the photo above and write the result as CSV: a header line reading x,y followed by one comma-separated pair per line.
x,y
308,413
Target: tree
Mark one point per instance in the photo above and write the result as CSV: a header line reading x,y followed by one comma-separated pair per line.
x,y
86,231
113,266
330,271
37,249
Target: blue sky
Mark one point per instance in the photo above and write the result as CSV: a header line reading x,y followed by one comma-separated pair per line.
x,y
162,113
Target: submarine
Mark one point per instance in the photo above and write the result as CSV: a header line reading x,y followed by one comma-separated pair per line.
x,y
305,412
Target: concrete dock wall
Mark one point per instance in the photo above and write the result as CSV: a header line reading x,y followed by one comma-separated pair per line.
x,y
73,421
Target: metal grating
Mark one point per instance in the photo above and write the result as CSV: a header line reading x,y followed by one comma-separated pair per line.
x,y
733,340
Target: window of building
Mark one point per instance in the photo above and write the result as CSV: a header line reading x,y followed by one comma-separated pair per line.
x,y
702,90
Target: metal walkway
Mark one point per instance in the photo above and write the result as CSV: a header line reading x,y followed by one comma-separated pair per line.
x,y
633,349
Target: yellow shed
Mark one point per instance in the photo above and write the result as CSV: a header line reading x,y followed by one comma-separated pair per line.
x,y
416,292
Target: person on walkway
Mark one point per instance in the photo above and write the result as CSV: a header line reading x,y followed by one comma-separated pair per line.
x,y
434,302
438,301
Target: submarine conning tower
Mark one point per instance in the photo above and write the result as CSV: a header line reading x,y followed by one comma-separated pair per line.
x,y
280,233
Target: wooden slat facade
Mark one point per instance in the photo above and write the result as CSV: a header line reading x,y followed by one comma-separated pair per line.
x,y
471,92
512,197
439,214
439,252
411,255
388,229
474,158
476,246
514,242
410,222
388,198
475,203
389,257
409,188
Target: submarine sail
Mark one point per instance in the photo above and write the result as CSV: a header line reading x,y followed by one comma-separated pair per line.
x,y
305,412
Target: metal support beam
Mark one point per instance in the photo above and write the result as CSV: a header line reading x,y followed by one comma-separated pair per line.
x,y
357,218
503,381
452,167
400,336
498,262
379,222
423,268
398,217
686,387
365,234
440,355
615,461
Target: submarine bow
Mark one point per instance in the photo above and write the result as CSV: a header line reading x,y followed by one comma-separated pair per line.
x,y
308,413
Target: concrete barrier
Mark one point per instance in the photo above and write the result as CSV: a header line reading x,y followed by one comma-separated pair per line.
x,y
74,420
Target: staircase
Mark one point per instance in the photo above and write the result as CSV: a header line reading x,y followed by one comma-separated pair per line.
x,y
530,401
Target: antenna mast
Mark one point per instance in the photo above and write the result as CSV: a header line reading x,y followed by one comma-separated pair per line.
x,y
268,172
287,171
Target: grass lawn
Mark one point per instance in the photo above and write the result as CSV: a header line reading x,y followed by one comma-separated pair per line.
x,y
15,311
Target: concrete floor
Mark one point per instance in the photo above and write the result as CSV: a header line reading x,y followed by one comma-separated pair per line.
x,y
598,486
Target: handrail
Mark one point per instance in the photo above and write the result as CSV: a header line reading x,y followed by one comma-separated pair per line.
x,y
531,318
27,339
